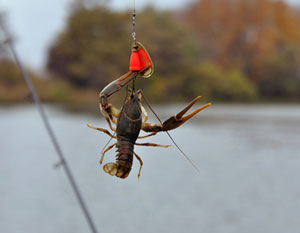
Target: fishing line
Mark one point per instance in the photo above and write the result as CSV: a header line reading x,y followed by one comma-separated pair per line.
x,y
50,132
133,22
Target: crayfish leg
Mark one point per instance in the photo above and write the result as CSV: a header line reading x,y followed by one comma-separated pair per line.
x,y
109,148
146,136
141,164
101,130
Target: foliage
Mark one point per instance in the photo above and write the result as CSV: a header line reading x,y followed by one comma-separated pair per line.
x,y
174,51
243,31
10,76
214,83
224,50
14,90
279,74
94,49
251,35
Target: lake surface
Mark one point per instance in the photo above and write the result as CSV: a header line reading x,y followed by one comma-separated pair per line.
x,y
248,158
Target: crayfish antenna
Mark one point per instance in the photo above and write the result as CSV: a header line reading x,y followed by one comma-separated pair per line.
x,y
184,154
181,151
108,142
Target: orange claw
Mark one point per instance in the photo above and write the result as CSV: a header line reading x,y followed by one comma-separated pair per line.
x,y
179,118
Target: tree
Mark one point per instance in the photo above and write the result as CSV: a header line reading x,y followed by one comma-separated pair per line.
x,y
9,74
174,50
218,84
279,74
94,48
243,32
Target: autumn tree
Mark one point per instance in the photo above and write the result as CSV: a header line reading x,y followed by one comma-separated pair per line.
x,y
243,32
94,49
261,37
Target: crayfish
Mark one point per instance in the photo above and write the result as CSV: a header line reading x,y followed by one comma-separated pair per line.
x,y
132,118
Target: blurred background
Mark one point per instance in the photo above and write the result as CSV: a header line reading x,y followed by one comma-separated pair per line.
x,y
242,55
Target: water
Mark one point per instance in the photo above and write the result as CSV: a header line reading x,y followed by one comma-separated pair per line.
x,y
248,157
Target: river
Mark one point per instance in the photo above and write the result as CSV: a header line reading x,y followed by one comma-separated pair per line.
x,y
248,156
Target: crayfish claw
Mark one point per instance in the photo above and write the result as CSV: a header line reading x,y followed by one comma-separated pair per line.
x,y
177,120
179,115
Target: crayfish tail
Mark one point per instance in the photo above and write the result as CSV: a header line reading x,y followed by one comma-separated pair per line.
x,y
111,168
117,169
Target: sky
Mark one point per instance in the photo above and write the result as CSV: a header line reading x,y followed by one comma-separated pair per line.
x,y
43,20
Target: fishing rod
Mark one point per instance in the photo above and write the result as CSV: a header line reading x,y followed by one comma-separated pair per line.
x,y
38,104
